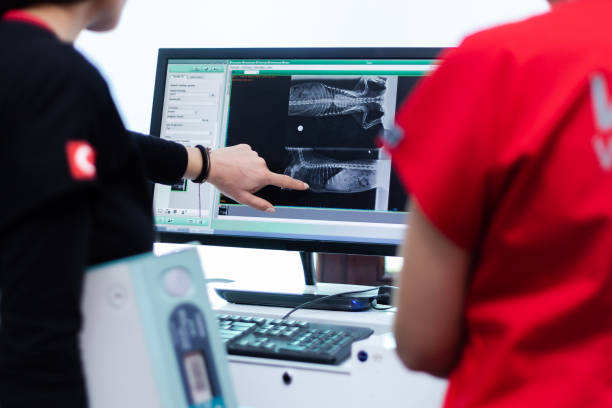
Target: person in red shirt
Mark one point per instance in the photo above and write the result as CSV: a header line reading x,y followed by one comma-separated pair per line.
x,y
506,149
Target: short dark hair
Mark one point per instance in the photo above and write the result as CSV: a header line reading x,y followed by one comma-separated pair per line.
x,y
19,4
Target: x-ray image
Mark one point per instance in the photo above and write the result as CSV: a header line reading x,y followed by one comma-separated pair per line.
x,y
325,174
315,98
321,129
340,111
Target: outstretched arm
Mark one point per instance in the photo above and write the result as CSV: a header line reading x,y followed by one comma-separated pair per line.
x,y
164,161
238,172
429,319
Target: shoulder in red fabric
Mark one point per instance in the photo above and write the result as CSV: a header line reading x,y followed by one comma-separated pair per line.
x,y
25,17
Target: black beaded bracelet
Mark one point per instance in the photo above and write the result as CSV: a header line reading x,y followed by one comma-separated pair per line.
x,y
205,152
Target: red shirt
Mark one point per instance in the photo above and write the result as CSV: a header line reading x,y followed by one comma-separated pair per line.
x,y
507,147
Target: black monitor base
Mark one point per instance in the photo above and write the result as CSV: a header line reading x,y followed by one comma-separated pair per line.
x,y
291,299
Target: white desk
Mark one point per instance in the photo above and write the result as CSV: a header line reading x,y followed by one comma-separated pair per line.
x,y
381,381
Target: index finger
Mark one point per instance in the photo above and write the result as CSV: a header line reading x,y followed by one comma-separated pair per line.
x,y
256,202
284,181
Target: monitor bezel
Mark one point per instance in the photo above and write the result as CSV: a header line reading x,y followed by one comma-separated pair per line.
x,y
323,246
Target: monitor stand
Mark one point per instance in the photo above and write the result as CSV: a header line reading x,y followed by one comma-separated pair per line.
x,y
310,292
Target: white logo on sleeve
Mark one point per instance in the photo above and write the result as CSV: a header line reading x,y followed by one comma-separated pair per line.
x,y
602,141
81,160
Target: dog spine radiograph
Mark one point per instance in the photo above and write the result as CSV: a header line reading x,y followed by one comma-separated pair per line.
x,y
316,99
326,175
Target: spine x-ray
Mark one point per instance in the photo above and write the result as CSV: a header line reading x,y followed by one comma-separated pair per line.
x,y
365,101
325,174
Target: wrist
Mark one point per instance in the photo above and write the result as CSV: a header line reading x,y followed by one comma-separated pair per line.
x,y
212,171
194,163
205,168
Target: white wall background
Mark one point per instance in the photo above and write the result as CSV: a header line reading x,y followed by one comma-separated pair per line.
x,y
127,56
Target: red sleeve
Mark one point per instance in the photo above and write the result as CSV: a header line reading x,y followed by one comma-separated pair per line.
x,y
451,132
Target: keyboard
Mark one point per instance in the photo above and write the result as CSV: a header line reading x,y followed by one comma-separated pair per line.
x,y
289,339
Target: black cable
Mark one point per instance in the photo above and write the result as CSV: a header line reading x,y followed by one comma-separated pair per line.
x,y
355,292
298,307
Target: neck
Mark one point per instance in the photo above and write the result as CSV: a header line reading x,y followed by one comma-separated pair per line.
x,y
66,22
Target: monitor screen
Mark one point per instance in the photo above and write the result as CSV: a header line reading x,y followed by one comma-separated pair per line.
x,y
313,118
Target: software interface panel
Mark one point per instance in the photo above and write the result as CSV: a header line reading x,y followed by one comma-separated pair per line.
x,y
314,120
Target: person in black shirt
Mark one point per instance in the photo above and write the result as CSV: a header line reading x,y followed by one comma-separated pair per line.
x,y
75,191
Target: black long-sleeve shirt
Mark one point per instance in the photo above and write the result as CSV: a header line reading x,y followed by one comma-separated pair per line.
x,y
53,225
164,162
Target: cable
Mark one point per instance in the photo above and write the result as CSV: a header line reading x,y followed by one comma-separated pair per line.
x,y
355,292
298,307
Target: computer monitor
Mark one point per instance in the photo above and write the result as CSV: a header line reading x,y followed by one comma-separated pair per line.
x,y
313,114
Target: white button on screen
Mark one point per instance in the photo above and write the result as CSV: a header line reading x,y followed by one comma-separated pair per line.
x,y
177,282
